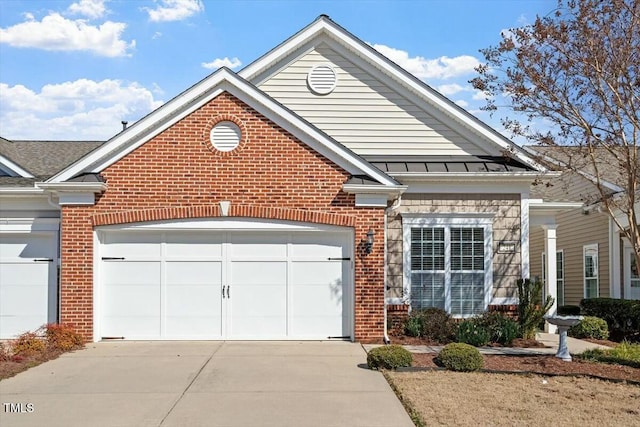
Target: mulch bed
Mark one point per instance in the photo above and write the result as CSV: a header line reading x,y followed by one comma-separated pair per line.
x,y
549,365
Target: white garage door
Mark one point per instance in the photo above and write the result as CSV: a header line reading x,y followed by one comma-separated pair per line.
x,y
220,284
28,273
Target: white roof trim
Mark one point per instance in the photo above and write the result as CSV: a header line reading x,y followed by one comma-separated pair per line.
x,y
12,168
324,26
21,191
394,190
222,80
95,187
465,176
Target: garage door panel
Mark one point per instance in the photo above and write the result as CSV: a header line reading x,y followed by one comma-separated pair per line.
x,y
193,299
131,327
325,245
257,246
131,245
28,288
131,273
258,310
186,245
258,273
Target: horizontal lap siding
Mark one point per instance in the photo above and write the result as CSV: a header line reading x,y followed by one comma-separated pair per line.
x,y
574,230
362,113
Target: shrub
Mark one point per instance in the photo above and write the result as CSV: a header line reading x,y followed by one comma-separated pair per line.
x,y
623,354
502,329
590,327
460,357
389,357
62,337
622,316
4,353
569,310
433,324
531,310
473,332
28,344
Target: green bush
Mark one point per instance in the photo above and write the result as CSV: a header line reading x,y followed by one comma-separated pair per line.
x,y
623,354
62,337
433,324
473,332
460,357
502,329
389,357
569,310
622,316
531,311
590,327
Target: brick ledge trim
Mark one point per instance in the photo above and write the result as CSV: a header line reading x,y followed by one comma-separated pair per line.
x,y
208,211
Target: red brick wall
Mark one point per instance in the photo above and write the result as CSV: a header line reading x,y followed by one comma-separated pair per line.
x,y
177,174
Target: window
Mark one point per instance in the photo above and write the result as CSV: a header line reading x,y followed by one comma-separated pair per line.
x,y
559,275
448,263
590,270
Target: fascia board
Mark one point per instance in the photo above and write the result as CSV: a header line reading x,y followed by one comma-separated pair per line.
x,y
485,177
394,190
21,191
13,168
386,67
95,187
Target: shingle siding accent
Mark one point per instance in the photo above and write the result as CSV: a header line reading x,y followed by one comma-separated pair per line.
x,y
506,226
175,175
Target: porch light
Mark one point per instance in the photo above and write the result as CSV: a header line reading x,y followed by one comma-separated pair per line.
x,y
368,244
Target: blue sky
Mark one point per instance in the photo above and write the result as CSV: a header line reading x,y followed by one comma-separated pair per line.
x,y
75,69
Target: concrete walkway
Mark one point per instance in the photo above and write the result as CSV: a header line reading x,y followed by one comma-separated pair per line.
x,y
551,341
204,384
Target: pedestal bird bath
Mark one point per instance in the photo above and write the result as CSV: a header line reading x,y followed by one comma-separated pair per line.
x,y
563,323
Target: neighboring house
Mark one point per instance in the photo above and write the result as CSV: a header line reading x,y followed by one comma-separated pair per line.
x,y
592,259
296,199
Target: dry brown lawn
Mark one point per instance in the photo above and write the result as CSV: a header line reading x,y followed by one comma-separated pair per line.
x,y
485,399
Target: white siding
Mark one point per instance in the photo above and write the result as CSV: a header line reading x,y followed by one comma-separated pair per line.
x,y
362,113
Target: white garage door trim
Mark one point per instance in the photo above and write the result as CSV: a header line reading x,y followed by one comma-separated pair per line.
x,y
40,262
234,228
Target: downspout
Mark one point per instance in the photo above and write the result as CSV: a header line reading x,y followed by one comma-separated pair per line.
x,y
59,289
395,205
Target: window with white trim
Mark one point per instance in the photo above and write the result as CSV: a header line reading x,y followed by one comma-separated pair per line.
x,y
448,263
590,256
559,275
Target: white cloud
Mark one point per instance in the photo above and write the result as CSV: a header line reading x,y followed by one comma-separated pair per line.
x,y
222,62
450,89
56,32
462,103
81,109
90,8
441,68
174,10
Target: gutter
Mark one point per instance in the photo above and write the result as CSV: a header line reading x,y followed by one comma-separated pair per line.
x,y
387,211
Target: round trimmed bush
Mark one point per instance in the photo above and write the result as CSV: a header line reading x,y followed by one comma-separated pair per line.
x,y
473,332
590,327
389,357
460,357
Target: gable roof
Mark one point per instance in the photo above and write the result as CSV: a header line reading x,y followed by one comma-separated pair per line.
x,y
223,80
324,30
30,161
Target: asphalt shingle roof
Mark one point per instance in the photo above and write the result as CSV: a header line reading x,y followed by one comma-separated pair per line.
x,y
44,159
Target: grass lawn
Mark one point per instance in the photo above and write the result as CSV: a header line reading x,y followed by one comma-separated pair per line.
x,y
472,399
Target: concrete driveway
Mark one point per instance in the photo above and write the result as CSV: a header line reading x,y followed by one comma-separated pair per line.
x,y
203,384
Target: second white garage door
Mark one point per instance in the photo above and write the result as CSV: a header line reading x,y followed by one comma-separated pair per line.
x,y
221,284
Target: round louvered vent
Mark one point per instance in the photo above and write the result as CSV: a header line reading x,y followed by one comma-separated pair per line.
x,y
225,136
322,79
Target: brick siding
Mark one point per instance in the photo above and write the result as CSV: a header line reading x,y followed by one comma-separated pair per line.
x,y
178,174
